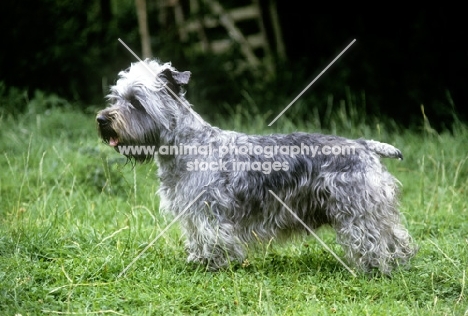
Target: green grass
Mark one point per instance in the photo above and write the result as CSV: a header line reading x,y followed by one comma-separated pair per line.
x,y
73,215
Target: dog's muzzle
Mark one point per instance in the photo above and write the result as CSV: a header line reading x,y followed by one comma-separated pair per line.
x,y
108,134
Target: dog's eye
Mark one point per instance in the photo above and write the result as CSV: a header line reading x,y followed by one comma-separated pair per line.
x,y
136,104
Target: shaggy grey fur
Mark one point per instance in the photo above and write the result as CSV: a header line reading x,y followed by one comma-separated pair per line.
x,y
353,193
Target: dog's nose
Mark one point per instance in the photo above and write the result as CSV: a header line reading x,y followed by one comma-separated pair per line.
x,y
102,120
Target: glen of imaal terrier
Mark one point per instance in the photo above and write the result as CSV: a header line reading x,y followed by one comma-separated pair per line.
x,y
220,183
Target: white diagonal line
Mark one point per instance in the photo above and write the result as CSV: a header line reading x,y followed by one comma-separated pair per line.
x,y
183,102
305,89
136,56
159,235
314,234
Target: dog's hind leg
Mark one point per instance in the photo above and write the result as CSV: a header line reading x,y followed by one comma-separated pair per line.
x,y
367,222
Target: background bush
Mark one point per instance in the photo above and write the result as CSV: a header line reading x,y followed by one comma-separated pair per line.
x,y
401,60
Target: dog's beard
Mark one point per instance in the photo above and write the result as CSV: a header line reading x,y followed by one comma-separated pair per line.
x,y
139,149
109,136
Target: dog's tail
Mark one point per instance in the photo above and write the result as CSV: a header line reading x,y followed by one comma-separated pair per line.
x,y
384,150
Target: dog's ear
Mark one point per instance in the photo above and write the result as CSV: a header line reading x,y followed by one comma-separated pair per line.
x,y
177,77
181,77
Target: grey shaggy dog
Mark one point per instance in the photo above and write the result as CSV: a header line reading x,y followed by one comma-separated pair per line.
x,y
350,191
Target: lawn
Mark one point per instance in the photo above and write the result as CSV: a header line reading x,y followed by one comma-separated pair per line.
x,y
74,214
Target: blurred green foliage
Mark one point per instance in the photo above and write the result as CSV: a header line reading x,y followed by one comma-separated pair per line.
x,y
70,49
65,47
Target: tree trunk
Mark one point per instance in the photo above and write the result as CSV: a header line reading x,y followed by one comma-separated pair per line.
x,y
143,28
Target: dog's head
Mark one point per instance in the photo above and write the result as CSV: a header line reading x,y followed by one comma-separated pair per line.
x,y
144,104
